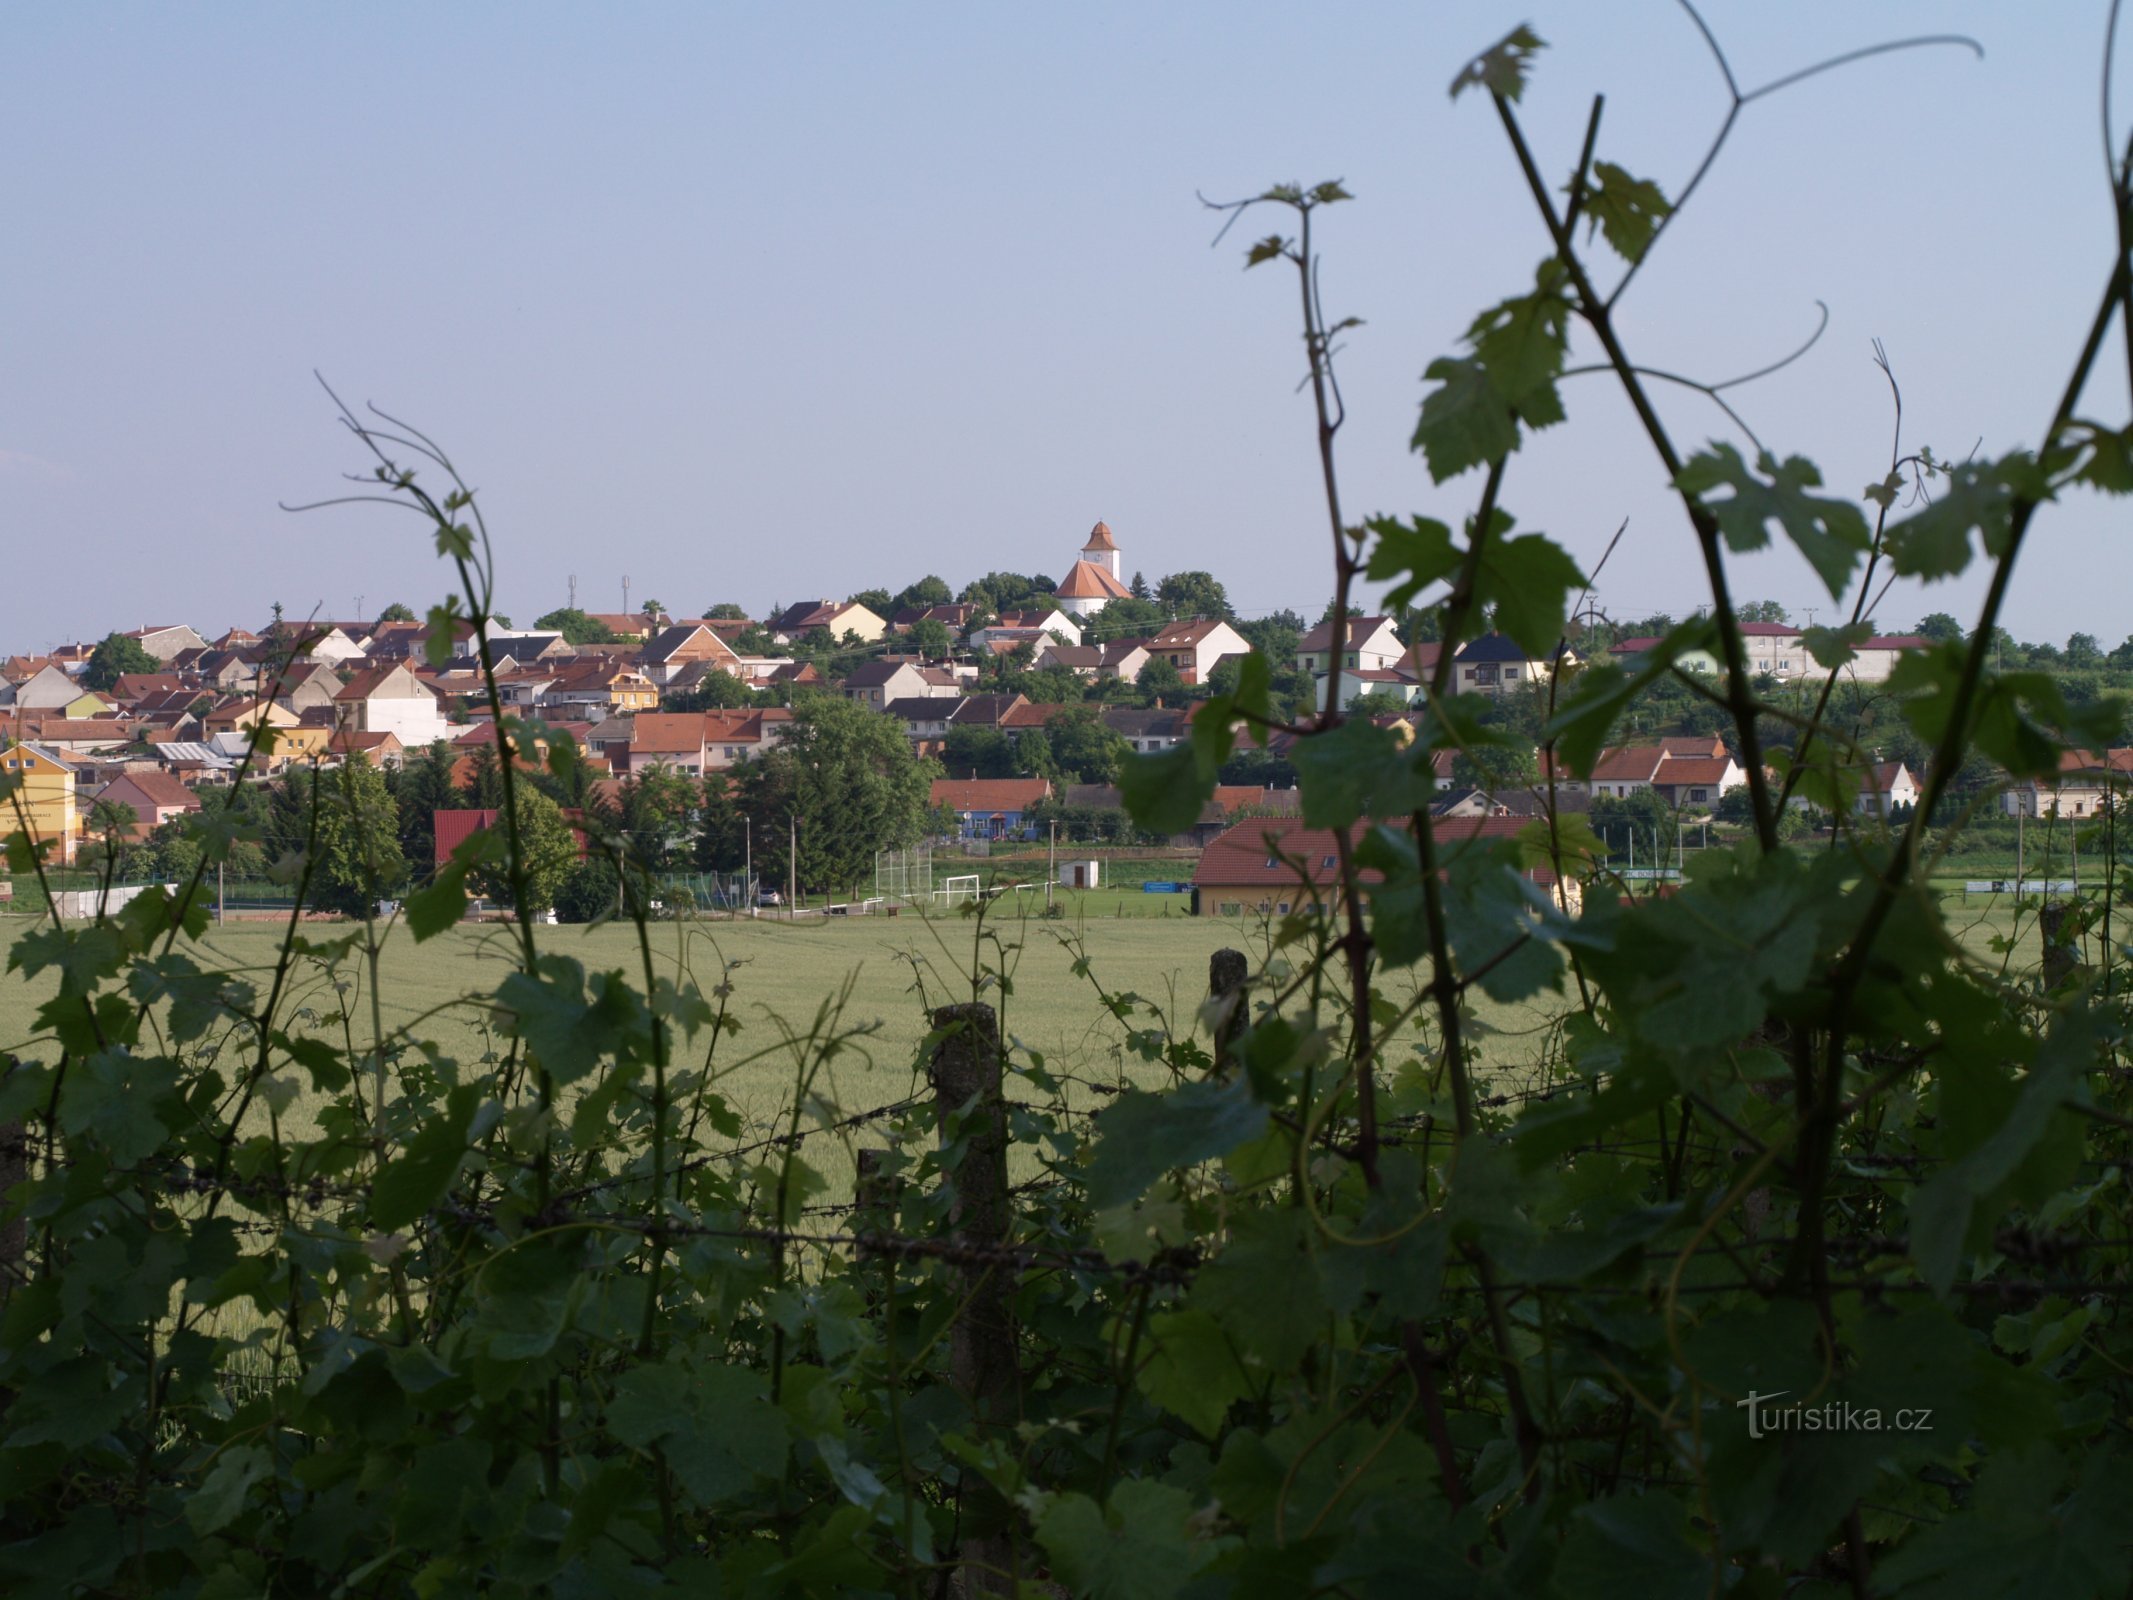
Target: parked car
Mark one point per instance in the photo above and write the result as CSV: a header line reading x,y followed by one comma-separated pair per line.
x,y
769,897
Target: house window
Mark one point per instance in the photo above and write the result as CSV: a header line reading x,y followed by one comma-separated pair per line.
x,y
1283,908
1510,672
1273,861
1327,863
1231,908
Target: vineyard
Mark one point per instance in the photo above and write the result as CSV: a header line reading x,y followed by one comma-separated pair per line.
x,y
1447,1236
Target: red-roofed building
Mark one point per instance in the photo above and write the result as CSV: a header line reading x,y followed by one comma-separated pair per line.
x,y
991,808
154,798
1271,866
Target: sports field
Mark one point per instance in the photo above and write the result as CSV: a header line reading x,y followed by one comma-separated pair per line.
x,y
881,975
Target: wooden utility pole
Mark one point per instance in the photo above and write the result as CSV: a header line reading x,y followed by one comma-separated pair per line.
x,y
792,867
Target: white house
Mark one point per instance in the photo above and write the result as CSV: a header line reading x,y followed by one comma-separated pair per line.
x,y
1052,620
1876,657
1884,786
1194,647
391,700
1372,646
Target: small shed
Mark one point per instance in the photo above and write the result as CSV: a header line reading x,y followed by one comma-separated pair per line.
x,y
1079,874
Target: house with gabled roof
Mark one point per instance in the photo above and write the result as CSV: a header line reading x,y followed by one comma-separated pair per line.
x,y
956,617
1887,786
1683,770
1372,644
1033,626
1195,646
991,808
1151,731
166,641
839,617
1080,659
46,689
154,797
382,750
2080,788
134,687
877,683
668,652
391,699
594,688
47,798
1494,664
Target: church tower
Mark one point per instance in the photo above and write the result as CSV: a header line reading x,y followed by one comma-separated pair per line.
x,y
1093,581
1102,549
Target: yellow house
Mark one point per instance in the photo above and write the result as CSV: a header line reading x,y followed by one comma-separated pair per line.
x,y
87,707
46,797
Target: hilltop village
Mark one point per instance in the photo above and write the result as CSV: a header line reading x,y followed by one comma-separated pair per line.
x,y
1019,695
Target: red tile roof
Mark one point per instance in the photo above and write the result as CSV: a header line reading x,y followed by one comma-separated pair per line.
x,y
990,794
1085,580
1238,857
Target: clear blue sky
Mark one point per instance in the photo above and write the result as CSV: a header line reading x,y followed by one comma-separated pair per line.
x,y
759,302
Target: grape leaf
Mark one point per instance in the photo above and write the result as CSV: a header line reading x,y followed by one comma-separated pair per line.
x,y
1502,68
1832,534
1626,210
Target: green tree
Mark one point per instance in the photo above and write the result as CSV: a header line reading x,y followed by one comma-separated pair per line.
x,y
1160,680
714,691
483,787
850,778
977,753
547,846
1124,619
1082,748
725,611
930,638
589,891
1138,588
421,787
658,807
354,839
114,655
2082,651
928,591
1940,627
576,627
1193,594
1274,636
1763,611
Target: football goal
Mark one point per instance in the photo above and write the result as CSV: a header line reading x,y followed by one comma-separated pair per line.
x,y
954,891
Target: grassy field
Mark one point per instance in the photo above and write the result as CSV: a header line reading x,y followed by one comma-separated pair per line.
x,y
883,973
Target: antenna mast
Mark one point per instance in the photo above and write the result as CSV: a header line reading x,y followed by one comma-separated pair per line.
x,y
573,591
625,594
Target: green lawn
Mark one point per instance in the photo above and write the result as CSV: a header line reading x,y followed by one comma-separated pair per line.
x,y
884,974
